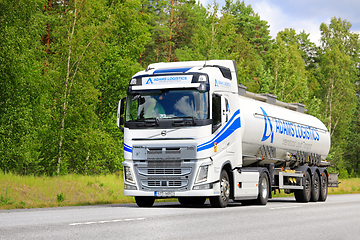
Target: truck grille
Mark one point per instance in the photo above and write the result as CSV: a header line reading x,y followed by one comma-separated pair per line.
x,y
164,183
165,168
164,153
164,171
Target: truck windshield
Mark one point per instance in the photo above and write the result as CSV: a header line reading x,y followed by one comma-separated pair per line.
x,y
167,104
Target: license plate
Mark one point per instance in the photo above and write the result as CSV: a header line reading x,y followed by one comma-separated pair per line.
x,y
164,194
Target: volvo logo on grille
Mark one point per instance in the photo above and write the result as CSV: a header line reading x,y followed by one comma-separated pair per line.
x,y
163,133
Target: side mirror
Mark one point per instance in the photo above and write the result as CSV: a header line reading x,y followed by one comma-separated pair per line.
x,y
120,112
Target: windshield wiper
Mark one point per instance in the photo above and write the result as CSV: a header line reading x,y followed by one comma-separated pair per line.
x,y
185,121
148,122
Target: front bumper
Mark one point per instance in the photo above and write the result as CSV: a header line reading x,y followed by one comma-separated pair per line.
x,y
171,179
166,193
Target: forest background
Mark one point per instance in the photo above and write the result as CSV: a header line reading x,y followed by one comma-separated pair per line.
x,y
64,65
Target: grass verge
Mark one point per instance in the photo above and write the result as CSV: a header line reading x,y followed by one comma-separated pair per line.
x,y
70,190
74,190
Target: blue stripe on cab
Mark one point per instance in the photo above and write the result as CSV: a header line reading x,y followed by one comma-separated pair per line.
x,y
222,130
230,127
172,70
127,148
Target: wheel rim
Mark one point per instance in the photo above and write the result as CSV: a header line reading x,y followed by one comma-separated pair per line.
x,y
324,186
225,189
264,187
316,185
307,186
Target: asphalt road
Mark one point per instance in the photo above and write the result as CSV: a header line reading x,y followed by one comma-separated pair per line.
x,y
337,218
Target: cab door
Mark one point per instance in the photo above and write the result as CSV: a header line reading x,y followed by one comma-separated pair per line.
x,y
220,117
225,118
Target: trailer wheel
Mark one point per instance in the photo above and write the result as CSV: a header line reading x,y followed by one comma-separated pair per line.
x,y
263,190
144,201
323,188
305,194
222,200
196,201
315,191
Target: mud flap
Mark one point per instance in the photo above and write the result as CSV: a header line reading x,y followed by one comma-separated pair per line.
x,y
333,180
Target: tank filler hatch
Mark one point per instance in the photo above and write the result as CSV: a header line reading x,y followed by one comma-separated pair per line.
x,y
271,99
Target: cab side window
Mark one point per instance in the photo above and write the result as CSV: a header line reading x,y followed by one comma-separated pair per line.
x,y
227,110
216,112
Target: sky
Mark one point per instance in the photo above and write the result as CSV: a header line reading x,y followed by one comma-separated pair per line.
x,y
302,15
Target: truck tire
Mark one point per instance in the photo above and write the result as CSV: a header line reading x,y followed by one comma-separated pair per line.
x,y
305,194
263,190
323,188
144,201
195,201
222,200
315,190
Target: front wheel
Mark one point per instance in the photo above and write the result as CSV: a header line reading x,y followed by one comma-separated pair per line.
x,y
222,200
144,201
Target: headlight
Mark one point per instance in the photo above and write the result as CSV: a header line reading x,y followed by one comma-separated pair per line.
x,y
202,174
128,175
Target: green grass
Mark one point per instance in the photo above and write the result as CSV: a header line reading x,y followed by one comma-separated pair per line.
x,y
73,190
350,185
70,190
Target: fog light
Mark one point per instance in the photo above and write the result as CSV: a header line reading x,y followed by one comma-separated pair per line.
x,y
203,186
130,187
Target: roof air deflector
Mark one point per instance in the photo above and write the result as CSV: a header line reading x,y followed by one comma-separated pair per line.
x,y
224,70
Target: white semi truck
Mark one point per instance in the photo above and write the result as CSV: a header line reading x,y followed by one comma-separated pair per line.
x,y
192,132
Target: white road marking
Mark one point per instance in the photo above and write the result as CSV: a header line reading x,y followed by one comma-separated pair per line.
x,y
276,208
108,221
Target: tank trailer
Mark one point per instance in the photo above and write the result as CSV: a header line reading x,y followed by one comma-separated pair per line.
x,y
192,132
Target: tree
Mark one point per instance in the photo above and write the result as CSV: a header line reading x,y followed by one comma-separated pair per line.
x,y
124,48
338,33
155,49
285,63
310,55
78,32
338,89
252,42
172,24
22,86
249,25
352,154
337,74
108,40
214,39
338,96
